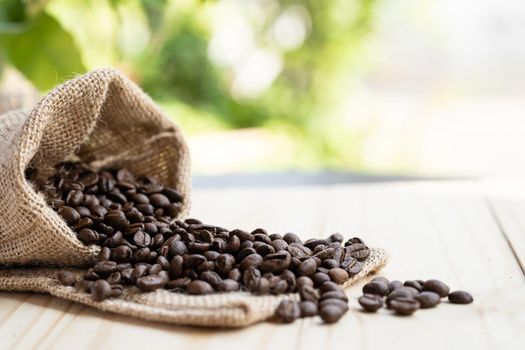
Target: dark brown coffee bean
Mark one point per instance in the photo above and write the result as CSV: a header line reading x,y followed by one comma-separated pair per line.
x,y
152,282
395,285
380,279
320,277
401,292
376,287
104,254
228,285
105,268
178,248
199,287
414,284
357,251
172,194
66,278
307,267
83,212
370,302
308,293
290,279
308,309
100,290
154,269
88,236
234,244
428,299
404,305
279,244
338,275
159,200
331,313
253,260
74,198
436,286
259,286
343,305
224,263
276,262
330,263
327,253
70,215
291,238
329,286
460,297
340,294
121,253
178,283
287,311
249,275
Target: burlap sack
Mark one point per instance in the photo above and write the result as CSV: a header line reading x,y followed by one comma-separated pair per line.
x,y
104,119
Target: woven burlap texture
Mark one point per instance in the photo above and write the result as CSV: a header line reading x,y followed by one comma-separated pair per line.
x,y
100,117
226,310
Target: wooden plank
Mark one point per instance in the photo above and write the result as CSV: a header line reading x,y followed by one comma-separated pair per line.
x,y
441,230
507,199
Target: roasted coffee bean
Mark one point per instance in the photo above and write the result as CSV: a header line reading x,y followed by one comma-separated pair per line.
x,y
259,286
88,236
307,267
152,282
329,286
279,244
253,260
159,200
357,251
436,286
234,244
395,285
428,299
308,308
224,263
101,290
401,292
320,277
199,287
228,285
331,313
330,263
376,287
380,279
249,275
70,215
66,278
244,253
178,283
334,294
404,305
178,248
314,242
309,293
276,262
371,302
335,237
287,311
291,238
338,275
105,268
290,279
414,284
121,253
193,261
104,254
460,297
343,305
211,277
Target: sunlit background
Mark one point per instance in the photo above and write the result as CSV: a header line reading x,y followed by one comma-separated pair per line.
x,y
404,87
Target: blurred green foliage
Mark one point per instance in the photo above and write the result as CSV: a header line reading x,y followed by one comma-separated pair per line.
x,y
165,46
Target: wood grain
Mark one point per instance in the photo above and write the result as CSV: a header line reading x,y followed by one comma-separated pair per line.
x,y
441,230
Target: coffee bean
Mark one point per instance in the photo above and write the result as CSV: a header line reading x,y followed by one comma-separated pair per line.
x,y
211,277
121,253
377,287
253,260
287,311
320,277
279,244
460,297
308,308
357,251
178,248
291,238
159,200
151,282
436,286
414,284
428,299
66,278
307,267
199,288
100,290
334,294
88,236
338,275
401,292
308,293
331,313
371,302
404,305
395,285
259,285
70,215
228,285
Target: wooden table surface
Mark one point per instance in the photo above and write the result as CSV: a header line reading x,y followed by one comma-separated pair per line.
x,y
470,234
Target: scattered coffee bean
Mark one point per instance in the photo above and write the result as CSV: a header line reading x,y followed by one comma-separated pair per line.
x,y
428,299
308,308
376,287
436,286
404,305
288,311
460,297
371,302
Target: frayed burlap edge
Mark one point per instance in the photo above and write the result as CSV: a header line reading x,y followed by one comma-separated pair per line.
x,y
225,310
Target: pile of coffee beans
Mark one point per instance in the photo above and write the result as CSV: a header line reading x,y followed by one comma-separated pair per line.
x,y
132,220
406,298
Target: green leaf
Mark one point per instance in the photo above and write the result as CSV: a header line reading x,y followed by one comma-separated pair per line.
x,y
45,53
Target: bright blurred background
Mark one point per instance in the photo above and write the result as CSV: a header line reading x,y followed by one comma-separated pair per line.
x,y
405,87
